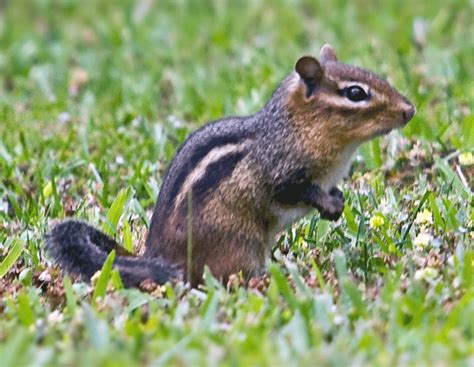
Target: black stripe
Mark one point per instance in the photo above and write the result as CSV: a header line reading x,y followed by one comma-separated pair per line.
x,y
197,155
215,173
293,189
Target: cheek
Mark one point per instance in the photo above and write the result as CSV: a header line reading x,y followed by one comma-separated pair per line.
x,y
395,117
364,132
353,119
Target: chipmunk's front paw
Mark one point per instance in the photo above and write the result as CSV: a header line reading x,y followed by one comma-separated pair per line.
x,y
331,205
336,192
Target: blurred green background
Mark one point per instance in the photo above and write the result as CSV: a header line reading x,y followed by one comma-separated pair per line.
x,y
95,98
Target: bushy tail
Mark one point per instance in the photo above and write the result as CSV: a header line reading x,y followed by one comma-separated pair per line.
x,y
82,249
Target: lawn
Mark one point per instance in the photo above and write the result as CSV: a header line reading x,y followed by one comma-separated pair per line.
x,y
95,98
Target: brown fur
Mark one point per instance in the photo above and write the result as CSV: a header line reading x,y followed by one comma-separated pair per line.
x,y
232,227
249,177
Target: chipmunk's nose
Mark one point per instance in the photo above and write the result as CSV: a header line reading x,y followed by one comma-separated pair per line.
x,y
408,111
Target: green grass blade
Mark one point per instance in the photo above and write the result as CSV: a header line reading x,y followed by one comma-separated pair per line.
x,y
11,258
25,311
452,178
97,329
127,237
71,299
101,286
283,286
412,220
116,211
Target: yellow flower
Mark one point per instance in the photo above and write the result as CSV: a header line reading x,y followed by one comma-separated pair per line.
x,y
422,240
376,221
466,159
427,274
424,217
48,189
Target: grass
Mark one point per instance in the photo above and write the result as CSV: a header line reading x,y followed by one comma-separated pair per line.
x,y
95,98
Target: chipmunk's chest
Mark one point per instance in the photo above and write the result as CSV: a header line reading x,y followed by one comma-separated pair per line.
x,y
285,215
334,171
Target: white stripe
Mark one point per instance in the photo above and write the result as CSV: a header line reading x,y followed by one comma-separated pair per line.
x,y
198,172
340,101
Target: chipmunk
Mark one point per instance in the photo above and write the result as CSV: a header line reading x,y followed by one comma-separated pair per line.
x,y
236,182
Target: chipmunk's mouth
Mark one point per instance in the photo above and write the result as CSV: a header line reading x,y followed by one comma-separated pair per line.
x,y
383,132
408,112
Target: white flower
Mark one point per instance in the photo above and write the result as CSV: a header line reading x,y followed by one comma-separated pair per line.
x,y
428,274
424,217
64,117
119,159
422,240
55,317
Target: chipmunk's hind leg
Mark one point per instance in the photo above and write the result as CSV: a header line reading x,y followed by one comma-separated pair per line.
x,y
237,258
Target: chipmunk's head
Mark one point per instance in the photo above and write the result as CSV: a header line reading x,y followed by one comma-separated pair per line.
x,y
354,103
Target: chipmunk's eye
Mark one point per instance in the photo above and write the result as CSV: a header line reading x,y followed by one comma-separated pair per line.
x,y
355,93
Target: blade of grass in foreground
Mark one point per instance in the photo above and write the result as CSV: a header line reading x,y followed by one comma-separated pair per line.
x,y
451,176
11,258
101,286
116,211
127,236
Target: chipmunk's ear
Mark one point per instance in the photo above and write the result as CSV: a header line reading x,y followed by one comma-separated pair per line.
x,y
310,71
327,53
